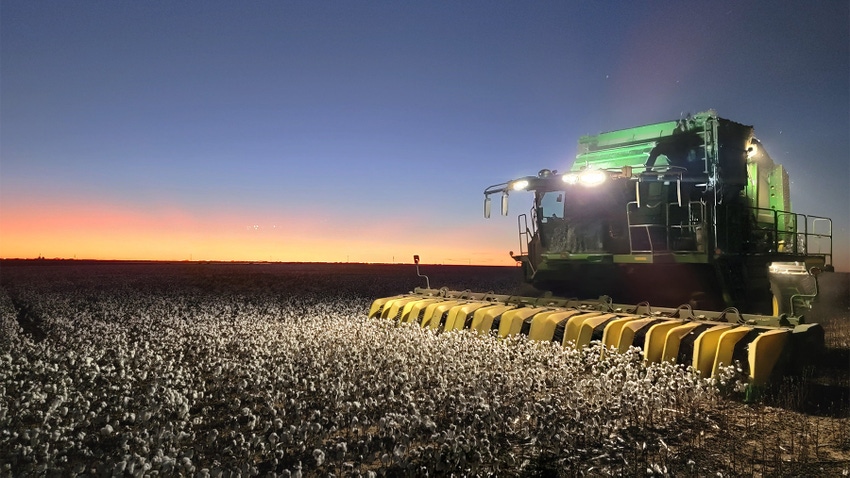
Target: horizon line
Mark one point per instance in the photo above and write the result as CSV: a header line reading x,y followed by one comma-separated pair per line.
x,y
189,261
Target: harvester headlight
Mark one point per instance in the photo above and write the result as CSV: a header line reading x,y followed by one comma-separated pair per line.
x,y
592,177
752,151
519,185
570,178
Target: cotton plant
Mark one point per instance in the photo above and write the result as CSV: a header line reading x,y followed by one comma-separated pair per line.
x,y
163,378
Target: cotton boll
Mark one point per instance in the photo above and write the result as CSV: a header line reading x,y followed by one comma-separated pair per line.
x,y
319,456
186,464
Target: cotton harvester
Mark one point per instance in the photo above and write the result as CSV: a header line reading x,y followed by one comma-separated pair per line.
x,y
691,216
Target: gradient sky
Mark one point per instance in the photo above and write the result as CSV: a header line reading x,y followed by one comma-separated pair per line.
x,y
367,131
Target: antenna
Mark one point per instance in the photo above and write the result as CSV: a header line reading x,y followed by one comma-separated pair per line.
x,y
416,261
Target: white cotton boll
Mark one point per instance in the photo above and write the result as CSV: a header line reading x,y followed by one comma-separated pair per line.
x,y
106,431
319,456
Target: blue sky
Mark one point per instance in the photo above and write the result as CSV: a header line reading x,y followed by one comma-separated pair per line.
x,y
368,130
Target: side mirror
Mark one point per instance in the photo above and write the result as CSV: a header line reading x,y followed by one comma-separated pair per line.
x,y
487,207
504,204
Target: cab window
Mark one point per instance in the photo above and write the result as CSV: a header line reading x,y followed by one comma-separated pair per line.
x,y
552,204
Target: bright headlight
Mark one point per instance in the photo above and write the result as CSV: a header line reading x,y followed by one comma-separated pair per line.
x,y
570,178
519,185
592,177
752,150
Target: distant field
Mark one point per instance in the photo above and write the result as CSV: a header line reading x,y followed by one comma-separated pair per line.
x,y
263,369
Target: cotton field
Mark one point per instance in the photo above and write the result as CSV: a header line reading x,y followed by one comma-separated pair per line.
x,y
239,370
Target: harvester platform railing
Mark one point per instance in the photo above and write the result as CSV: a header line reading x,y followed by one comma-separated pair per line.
x,y
686,235
669,227
782,234
526,235
819,239
653,228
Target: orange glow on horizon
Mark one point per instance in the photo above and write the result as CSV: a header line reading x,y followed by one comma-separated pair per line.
x,y
113,233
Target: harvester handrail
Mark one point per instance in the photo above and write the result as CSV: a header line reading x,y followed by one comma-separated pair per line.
x,y
645,226
695,211
496,188
790,239
815,220
526,235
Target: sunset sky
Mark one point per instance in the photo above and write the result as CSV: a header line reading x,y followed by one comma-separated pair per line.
x,y
366,130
